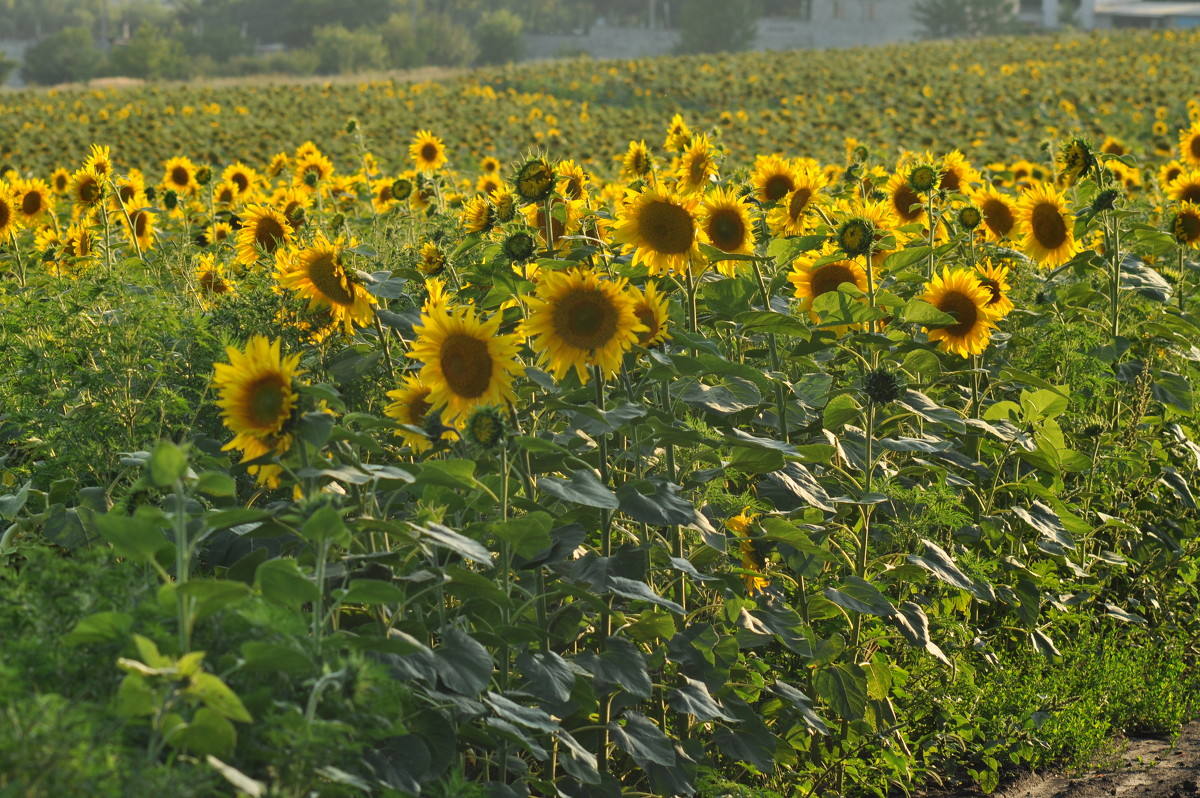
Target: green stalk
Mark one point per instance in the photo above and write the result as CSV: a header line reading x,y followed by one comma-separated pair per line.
x,y
183,605
772,346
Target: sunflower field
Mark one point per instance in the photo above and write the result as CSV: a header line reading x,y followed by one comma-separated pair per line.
x,y
787,424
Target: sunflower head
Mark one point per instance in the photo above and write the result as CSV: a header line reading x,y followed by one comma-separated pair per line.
x,y
1185,225
8,212
1106,200
427,151
317,273
661,230
87,189
856,236
1077,160
959,294
637,162
1189,145
1048,227
650,307
518,246
994,278
969,217
432,260
534,179
923,177
402,189
486,428
882,386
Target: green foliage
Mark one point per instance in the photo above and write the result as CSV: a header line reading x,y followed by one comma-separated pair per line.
x,y
150,55
498,37
713,26
940,19
64,57
342,52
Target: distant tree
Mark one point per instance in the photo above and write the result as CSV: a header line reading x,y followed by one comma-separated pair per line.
x,y
444,42
7,65
64,57
404,49
150,55
711,26
498,36
941,19
342,52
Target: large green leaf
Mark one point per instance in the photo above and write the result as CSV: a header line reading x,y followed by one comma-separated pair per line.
x,y
844,687
642,740
463,664
583,488
859,595
693,698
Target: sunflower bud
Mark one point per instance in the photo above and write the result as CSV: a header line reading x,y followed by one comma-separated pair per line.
x,y
485,428
856,236
535,179
170,200
518,247
882,386
351,125
969,217
203,175
923,178
1106,200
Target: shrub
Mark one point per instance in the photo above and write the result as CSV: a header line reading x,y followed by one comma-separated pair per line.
x,y
65,57
498,36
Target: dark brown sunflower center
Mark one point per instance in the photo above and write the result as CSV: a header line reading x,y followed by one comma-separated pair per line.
x,y
61,182
798,204
225,195
268,233
961,307
429,152
585,319
646,316
1049,227
1194,146
904,199
727,230
557,228
31,203
141,223
992,286
6,214
211,283
180,176
89,191
951,181
1173,173
329,279
776,187
241,181
466,365
418,406
637,163
1187,227
828,277
998,217
667,228
1190,193
267,397
697,170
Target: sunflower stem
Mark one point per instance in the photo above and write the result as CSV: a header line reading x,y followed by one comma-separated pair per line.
x,y
605,553
12,236
690,287
1181,299
1113,231
387,355
549,220
860,566
773,347
183,604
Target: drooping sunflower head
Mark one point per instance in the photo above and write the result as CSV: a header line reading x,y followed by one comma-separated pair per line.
x,y
661,230
478,215
1076,160
1047,227
678,134
534,179
1185,224
773,178
466,361
87,190
726,221
572,180
753,561
697,165
959,294
579,319
99,160
792,215
427,151
432,259
505,203
1189,145
650,307
264,230
811,278
637,162
317,273
994,277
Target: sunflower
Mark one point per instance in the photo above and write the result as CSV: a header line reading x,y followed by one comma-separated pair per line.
x,y
293,204
126,188
505,203
660,229
534,179
381,195
79,243
433,260
427,151
1168,172
697,165
752,559
9,215
999,214
1113,146
578,319
99,160
218,232
225,195
179,175
436,297
278,164
564,218
256,391
726,221
410,406
904,200
773,178
960,294
60,181
244,179
33,200
1189,145
488,183
637,162
212,280
678,134
1186,187
139,226
264,230
466,361
87,190
791,216
957,173
572,180
1047,227
650,307
811,281
317,274
995,279
311,170
1077,160
489,165
1185,224
478,215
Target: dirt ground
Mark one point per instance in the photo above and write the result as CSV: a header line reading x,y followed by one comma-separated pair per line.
x,y
1149,767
